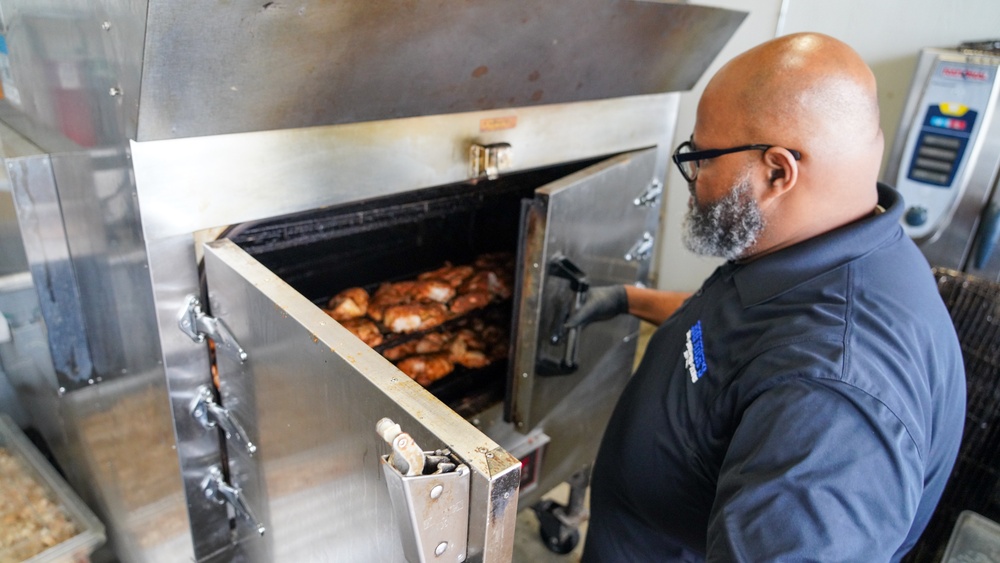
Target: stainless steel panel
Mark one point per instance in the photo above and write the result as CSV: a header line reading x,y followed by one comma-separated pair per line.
x,y
173,269
310,394
229,179
591,218
233,178
113,440
234,67
75,67
12,257
42,230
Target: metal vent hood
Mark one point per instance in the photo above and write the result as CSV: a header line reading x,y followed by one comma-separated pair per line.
x,y
97,73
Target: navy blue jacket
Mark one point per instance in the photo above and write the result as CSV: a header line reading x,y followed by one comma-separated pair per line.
x,y
806,405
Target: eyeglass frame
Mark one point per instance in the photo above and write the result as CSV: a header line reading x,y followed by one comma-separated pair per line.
x,y
708,154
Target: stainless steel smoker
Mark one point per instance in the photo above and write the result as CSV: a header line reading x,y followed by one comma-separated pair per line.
x,y
210,173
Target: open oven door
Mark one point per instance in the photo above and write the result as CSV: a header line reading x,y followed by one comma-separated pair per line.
x,y
308,477
592,228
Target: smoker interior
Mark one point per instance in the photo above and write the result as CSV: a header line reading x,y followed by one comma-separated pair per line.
x,y
324,251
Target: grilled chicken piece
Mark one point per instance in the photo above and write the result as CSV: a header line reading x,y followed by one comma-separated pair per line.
x,y
495,282
452,275
466,349
426,368
364,329
388,295
469,301
348,304
414,317
431,290
428,344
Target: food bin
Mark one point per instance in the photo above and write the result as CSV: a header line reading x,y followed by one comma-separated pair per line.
x,y
975,538
41,518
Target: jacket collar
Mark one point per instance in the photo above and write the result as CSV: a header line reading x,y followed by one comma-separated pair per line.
x,y
772,275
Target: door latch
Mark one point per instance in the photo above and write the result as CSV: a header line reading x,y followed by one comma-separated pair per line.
x,y
197,325
642,248
489,160
210,414
216,489
429,495
651,196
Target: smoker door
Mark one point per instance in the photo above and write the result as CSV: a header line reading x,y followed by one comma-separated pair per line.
x,y
309,395
592,228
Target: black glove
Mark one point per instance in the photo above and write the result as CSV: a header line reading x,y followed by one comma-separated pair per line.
x,y
602,303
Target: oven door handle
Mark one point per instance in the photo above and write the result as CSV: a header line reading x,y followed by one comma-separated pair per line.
x,y
562,267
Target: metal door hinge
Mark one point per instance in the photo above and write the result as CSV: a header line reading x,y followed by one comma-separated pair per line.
x,y
651,196
642,249
215,488
489,160
210,414
431,503
197,325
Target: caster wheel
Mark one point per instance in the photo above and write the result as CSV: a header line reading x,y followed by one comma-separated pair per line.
x,y
562,547
557,536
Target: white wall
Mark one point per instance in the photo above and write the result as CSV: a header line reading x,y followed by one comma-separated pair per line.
x,y
888,34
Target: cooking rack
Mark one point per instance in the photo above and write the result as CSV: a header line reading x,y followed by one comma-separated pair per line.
x,y
974,305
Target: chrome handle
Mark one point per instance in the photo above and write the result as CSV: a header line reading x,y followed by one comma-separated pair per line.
x,y
216,489
208,413
642,248
651,196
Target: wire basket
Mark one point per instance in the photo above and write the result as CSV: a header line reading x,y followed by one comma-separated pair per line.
x,y
974,305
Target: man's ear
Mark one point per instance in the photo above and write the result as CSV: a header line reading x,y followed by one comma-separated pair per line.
x,y
782,171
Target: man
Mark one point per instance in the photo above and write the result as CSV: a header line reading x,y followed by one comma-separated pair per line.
x,y
807,402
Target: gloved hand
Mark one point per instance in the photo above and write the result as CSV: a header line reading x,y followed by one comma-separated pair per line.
x,y
602,303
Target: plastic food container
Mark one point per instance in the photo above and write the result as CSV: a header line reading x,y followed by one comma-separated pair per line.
x,y
975,539
41,518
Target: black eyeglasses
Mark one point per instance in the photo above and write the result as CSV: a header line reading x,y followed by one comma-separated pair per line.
x,y
689,160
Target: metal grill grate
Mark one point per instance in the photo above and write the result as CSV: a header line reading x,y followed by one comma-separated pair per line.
x,y
974,484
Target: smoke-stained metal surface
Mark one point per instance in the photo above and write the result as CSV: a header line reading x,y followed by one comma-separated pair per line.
x,y
339,62
310,395
40,217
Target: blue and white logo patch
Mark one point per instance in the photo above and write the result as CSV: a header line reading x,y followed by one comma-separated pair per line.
x,y
694,353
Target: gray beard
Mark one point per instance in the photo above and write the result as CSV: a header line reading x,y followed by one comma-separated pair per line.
x,y
726,228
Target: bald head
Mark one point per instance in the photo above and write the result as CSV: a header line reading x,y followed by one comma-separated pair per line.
x,y
808,89
812,93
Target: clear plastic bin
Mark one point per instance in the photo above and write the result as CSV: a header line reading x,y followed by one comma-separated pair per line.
x,y
975,539
45,496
